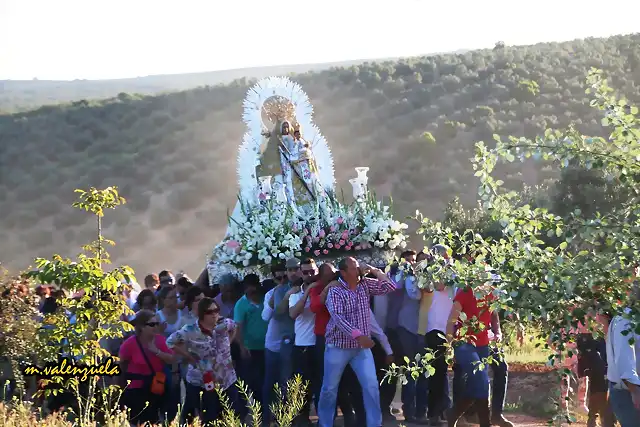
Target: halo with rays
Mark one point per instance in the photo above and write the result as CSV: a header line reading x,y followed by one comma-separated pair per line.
x,y
283,98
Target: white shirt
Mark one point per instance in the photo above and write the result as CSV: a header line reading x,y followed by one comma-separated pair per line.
x,y
623,359
440,309
305,322
272,340
378,333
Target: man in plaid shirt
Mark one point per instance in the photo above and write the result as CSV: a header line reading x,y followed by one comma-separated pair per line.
x,y
348,339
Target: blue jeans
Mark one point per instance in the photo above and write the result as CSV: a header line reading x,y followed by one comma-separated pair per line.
x,y
277,370
414,393
475,385
361,360
622,406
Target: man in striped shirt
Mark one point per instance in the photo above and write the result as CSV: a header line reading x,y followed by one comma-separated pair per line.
x,y
348,339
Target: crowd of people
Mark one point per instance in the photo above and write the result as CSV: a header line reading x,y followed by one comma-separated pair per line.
x,y
339,328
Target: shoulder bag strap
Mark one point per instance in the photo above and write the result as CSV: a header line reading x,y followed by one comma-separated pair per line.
x,y
144,354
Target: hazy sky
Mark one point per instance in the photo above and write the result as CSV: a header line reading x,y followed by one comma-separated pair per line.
x,y
97,39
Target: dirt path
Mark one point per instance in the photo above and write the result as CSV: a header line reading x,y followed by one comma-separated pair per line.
x,y
519,420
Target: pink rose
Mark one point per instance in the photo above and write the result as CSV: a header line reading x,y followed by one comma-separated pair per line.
x,y
333,229
341,242
324,251
345,235
307,249
339,220
347,248
317,252
330,245
262,196
232,244
338,246
321,233
350,243
295,228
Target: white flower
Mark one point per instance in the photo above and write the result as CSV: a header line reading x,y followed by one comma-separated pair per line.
x,y
245,262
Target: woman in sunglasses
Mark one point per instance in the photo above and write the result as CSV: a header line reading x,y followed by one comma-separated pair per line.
x,y
206,346
143,358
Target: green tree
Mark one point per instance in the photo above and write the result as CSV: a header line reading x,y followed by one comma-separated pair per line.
x,y
97,311
588,267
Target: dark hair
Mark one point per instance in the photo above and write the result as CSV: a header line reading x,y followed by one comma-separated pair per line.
x,y
277,268
144,294
205,303
184,282
192,294
251,280
151,279
407,253
162,294
165,273
141,319
268,284
342,265
307,260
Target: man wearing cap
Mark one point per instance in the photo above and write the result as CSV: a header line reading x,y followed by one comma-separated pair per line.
x,y
281,328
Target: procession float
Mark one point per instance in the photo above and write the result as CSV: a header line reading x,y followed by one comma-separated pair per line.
x,y
287,201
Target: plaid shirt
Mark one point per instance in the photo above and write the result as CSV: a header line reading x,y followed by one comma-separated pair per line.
x,y
350,311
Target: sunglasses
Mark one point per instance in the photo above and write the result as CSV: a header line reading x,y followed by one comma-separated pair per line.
x,y
281,277
153,324
308,272
212,311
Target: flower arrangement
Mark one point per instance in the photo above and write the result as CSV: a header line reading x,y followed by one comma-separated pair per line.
x,y
272,231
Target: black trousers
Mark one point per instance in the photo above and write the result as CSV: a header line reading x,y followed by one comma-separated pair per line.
x,y
304,364
388,386
436,401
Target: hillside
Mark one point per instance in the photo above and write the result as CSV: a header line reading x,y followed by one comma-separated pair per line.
x,y
173,155
22,95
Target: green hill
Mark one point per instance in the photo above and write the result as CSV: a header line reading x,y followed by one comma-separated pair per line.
x,y
174,155
22,95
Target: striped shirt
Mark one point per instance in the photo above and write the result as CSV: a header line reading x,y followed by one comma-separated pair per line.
x,y
350,311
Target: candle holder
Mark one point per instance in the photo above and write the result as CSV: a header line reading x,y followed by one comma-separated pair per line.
x,y
265,184
362,174
358,187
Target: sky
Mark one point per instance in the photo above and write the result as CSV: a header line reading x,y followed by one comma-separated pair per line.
x,y
105,39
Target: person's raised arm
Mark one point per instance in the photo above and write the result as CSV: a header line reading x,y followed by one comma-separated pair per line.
x,y
454,315
495,326
381,285
411,287
282,308
267,311
296,306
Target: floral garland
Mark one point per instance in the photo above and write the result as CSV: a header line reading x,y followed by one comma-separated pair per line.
x,y
271,232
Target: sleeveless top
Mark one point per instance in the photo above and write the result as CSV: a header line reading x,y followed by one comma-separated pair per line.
x,y
171,327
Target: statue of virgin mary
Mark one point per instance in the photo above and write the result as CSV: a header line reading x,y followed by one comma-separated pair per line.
x,y
292,159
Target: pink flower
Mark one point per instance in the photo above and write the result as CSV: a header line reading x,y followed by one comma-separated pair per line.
x,y
345,235
317,252
333,229
295,228
309,238
347,248
339,220
262,196
316,239
306,231
330,245
232,244
341,242
358,247
307,249
338,246
321,233
350,243
324,251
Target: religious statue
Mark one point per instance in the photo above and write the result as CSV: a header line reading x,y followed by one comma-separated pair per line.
x,y
291,157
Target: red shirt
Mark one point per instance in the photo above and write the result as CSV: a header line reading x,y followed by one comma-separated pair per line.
x,y
318,307
479,309
130,352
